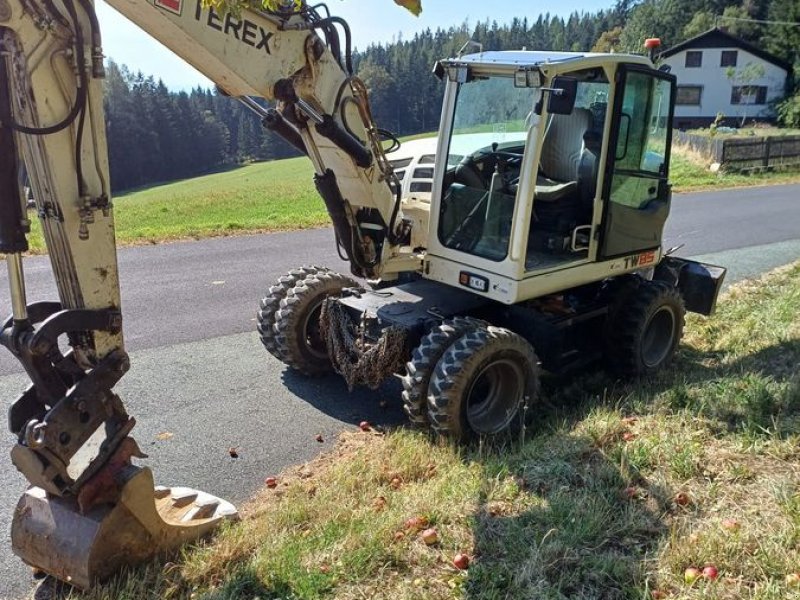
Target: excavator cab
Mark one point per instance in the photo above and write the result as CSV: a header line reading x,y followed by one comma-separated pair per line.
x,y
566,159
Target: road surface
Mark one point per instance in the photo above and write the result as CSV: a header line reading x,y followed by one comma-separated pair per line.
x,y
199,371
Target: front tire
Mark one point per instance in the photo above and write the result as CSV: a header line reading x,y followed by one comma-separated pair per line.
x,y
645,329
298,338
419,370
484,385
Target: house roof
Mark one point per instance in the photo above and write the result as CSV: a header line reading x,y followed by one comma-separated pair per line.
x,y
717,38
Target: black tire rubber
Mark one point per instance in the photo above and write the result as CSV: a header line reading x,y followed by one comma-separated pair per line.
x,y
298,343
420,368
644,329
270,304
484,351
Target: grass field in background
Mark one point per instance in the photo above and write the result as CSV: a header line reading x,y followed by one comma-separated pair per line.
x,y
620,487
280,195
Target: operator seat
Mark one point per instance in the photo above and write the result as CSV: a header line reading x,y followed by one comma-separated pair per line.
x,y
561,155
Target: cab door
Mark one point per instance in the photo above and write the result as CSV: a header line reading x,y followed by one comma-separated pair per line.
x,y
636,191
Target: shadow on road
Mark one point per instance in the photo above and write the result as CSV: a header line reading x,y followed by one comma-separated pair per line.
x,y
329,394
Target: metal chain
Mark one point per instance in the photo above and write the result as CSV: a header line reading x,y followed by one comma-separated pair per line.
x,y
358,360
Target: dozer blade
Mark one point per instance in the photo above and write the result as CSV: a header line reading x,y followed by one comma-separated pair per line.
x,y
52,534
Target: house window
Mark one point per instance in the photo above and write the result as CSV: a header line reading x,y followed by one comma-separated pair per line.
x,y
749,94
694,58
728,58
689,95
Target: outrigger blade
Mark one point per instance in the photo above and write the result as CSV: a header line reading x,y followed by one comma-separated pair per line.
x,y
54,535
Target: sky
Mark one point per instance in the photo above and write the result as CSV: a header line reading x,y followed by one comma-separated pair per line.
x,y
371,21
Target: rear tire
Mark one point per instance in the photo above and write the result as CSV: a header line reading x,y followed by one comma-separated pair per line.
x,y
644,329
484,385
298,339
420,368
272,301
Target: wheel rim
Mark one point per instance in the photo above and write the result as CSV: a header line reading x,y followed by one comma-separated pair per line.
x,y
494,396
658,337
313,334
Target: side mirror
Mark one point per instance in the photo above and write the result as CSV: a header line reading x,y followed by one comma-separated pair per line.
x,y
563,92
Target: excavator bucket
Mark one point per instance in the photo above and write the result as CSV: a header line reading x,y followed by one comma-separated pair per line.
x,y
81,547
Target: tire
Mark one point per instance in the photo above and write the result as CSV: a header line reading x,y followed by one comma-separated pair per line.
x,y
420,368
644,329
296,329
484,385
270,304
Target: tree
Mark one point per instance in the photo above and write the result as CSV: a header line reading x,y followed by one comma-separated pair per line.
x,y
744,78
609,40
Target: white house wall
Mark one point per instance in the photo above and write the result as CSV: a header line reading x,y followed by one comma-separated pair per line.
x,y
716,94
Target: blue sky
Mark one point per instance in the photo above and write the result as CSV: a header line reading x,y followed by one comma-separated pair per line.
x,y
372,21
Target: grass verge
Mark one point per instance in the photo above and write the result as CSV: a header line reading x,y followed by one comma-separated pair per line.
x,y
280,195
619,489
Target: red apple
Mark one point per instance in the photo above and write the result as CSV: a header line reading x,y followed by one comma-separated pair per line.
x,y
710,572
271,482
691,575
793,580
682,499
461,561
731,524
365,426
416,523
430,536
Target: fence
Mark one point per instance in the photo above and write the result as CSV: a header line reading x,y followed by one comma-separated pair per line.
x,y
743,154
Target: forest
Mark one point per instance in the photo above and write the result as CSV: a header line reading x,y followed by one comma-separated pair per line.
x,y
158,135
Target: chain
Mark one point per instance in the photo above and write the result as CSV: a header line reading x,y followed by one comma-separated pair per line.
x,y
356,359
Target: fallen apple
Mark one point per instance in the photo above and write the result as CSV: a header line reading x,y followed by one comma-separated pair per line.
x,y
682,499
364,426
793,580
691,575
271,482
461,561
430,536
628,436
416,523
731,524
710,572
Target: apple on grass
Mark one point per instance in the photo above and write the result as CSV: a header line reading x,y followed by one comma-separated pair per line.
x,y
691,575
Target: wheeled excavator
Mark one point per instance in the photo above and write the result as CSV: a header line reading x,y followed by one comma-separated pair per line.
x,y
535,247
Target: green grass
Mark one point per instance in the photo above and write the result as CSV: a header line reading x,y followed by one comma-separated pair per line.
x,y
745,132
280,195
270,196
619,488
689,173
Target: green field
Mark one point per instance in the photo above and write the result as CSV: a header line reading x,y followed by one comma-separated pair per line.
x,y
280,195
619,488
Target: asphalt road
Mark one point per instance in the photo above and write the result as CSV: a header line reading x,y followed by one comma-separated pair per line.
x,y
199,371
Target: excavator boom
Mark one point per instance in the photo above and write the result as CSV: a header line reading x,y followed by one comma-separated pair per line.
x,y
89,510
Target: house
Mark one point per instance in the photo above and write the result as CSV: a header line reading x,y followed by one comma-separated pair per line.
x,y
721,73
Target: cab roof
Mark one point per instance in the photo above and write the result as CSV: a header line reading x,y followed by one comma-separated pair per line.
x,y
516,59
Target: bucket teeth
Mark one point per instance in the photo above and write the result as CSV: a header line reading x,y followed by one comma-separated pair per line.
x,y
52,534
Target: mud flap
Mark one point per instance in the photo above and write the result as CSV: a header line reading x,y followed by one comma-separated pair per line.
x,y
698,283
51,533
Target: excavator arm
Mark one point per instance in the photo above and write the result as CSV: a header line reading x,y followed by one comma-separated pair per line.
x,y
89,510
